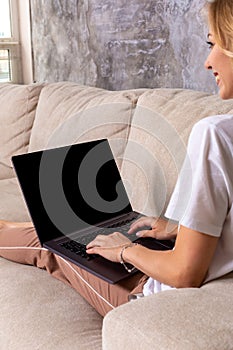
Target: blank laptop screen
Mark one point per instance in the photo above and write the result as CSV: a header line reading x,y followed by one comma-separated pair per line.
x,y
72,187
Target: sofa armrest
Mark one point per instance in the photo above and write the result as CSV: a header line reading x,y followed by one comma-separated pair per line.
x,y
194,318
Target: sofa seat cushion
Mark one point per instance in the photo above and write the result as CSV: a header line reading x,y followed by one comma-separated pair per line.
x,y
70,113
189,318
49,315
12,204
18,105
156,147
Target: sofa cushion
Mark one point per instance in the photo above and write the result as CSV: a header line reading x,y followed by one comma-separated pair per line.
x,y
12,205
157,142
188,318
18,104
40,312
70,113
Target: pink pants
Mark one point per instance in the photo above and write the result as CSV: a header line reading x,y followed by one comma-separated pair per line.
x,y
22,245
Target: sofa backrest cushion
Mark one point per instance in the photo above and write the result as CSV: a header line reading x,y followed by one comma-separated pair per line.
x,y
157,142
69,113
18,104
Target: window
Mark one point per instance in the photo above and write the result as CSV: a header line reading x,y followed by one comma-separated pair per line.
x,y
5,67
10,62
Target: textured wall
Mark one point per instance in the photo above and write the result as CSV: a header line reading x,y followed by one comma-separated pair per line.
x,y
121,44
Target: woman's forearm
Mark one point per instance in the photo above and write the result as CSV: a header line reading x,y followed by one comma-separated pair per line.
x,y
184,266
160,265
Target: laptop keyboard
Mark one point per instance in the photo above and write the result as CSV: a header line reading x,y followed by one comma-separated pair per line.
x,y
79,247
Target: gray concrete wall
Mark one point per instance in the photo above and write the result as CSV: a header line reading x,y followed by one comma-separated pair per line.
x,y
121,44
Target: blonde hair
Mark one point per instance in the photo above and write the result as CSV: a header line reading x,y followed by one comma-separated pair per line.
x,y
220,16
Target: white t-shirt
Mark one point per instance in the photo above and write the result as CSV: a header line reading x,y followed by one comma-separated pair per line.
x,y
202,198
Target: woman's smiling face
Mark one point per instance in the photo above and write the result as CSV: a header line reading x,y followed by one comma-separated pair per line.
x,y
222,68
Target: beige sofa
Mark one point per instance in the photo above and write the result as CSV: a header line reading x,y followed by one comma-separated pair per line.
x,y
148,130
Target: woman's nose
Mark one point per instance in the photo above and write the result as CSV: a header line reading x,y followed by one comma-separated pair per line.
x,y
208,65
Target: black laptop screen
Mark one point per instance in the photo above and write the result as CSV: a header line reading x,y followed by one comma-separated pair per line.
x,y
70,188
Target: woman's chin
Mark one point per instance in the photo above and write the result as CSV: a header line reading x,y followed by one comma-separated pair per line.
x,y
225,95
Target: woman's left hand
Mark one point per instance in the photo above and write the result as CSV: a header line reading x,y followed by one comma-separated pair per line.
x,y
108,246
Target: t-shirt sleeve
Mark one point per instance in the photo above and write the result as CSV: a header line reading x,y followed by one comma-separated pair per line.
x,y
200,198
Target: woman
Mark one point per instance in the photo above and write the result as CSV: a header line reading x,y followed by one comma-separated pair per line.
x,y
204,243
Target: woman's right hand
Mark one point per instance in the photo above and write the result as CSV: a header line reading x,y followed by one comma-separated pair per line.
x,y
157,228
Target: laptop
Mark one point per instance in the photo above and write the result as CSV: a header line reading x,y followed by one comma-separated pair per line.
x,y
73,193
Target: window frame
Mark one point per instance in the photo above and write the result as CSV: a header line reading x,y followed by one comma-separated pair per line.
x,y
14,44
